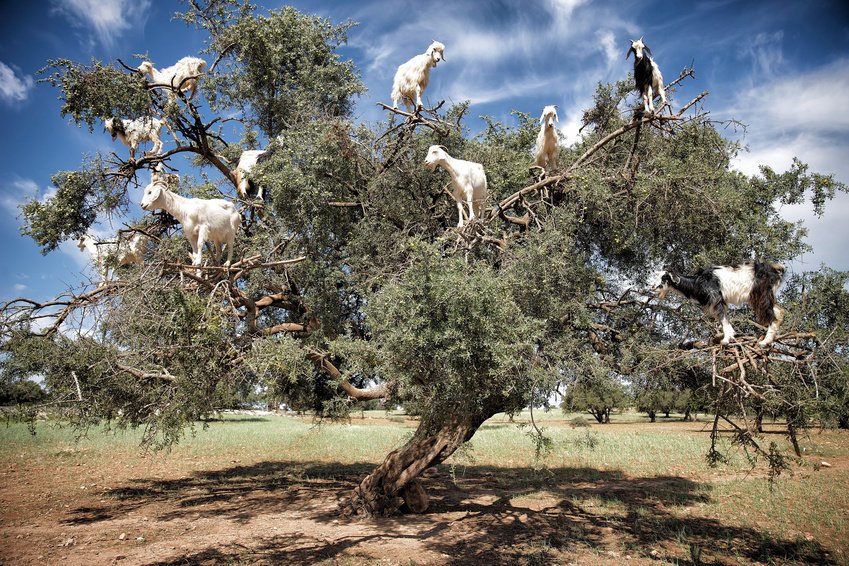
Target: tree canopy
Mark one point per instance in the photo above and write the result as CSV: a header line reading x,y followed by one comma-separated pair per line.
x,y
351,282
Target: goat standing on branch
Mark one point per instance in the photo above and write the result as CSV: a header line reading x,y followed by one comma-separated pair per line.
x,y
247,161
133,132
547,148
183,75
412,77
204,220
717,287
122,252
647,78
467,178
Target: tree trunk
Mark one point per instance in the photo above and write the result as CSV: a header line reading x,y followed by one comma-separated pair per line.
x,y
598,415
652,416
759,418
393,483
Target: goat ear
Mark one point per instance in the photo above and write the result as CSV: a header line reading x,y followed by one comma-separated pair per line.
x,y
443,148
675,278
646,50
631,50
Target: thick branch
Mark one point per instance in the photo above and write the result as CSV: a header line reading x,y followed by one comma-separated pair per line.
x,y
321,362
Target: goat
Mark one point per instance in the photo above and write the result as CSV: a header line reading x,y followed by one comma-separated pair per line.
x,y
647,78
412,77
547,149
133,132
204,220
247,161
182,75
714,288
467,178
122,252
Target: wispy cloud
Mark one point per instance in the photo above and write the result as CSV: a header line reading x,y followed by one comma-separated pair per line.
x,y
17,193
14,86
806,116
530,54
765,52
106,19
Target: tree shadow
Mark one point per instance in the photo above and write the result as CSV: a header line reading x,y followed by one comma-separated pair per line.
x,y
478,515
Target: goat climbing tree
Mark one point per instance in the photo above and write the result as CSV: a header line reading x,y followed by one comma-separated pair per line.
x,y
351,283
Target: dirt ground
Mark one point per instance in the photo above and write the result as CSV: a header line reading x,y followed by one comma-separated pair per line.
x,y
158,510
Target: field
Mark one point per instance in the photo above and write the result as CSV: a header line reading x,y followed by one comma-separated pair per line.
x,y
252,489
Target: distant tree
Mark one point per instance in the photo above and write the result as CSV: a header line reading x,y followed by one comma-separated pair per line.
x,y
598,397
23,392
351,282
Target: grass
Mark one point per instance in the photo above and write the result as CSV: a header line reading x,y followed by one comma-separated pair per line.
x,y
667,457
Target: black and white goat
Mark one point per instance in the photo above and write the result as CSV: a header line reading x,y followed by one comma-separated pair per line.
x,y
647,78
717,287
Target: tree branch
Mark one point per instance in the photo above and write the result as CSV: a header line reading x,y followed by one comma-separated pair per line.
x,y
321,362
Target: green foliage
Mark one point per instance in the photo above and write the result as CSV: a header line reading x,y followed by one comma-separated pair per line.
x,y
479,344
79,198
597,395
455,326
95,92
24,392
282,70
819,301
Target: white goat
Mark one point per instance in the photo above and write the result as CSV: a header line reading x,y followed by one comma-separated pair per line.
x,y
247,161
647,78
714,288
122,252
412,77
204,220
467,178
133,132
547,149
183,75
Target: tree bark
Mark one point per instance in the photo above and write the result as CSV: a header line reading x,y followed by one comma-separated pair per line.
x,y
394,482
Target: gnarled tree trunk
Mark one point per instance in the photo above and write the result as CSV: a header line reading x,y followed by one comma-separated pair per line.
x,y
394,482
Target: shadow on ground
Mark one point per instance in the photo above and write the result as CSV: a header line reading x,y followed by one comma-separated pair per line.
x,y
484,516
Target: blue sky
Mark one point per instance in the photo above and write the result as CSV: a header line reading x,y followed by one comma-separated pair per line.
x,y
782,68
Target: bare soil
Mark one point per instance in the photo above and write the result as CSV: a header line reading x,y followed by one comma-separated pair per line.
x,y
67,508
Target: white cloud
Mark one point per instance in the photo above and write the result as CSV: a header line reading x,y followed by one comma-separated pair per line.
x,y
537,52
107,19
815,101
17,193
806,116
20,287
14,87
765,52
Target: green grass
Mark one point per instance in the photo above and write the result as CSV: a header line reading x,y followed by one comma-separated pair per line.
x,y
668,460
259,437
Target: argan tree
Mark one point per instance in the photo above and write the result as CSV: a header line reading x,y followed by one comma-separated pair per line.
x,y
352,284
